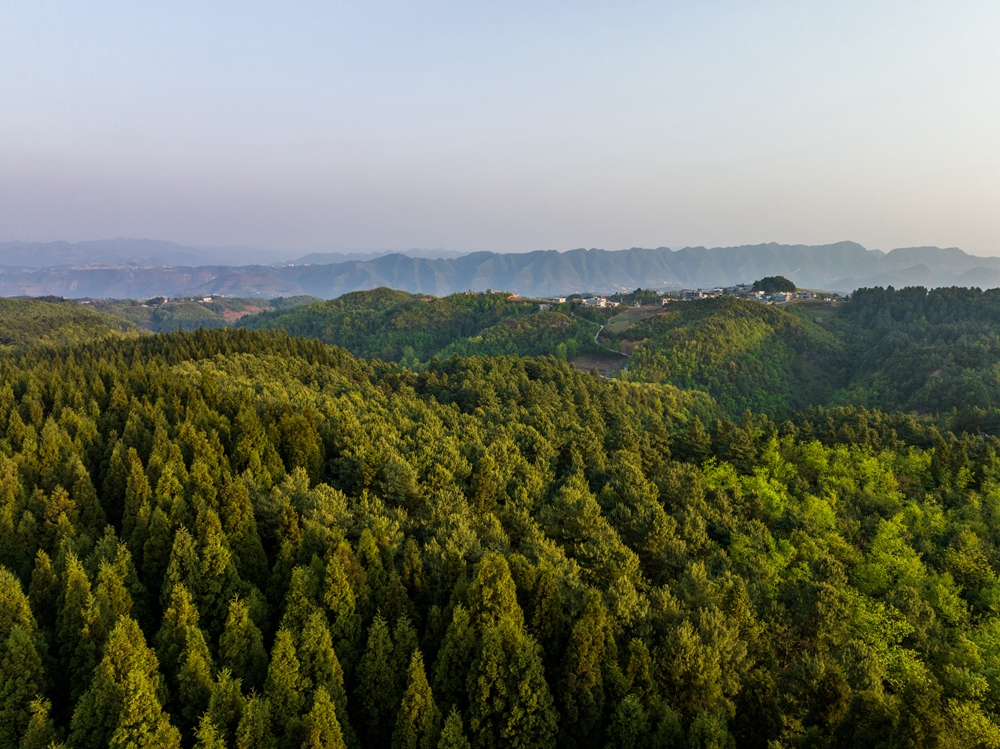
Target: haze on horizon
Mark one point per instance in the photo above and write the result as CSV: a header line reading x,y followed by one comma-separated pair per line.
x,y
336,127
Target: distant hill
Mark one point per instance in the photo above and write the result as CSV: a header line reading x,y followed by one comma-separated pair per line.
x,y
843,266
398,326
328,258
145,252
745,354
172,315
26,322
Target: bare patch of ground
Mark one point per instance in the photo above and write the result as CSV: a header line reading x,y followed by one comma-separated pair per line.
x,y
232,315
607,367
632,315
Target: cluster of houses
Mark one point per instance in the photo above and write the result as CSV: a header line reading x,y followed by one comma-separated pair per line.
x,y
745,291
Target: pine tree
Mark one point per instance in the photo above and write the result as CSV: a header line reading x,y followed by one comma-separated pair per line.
x,y
454,661
510,703
376,688
21,681
321,727
241,646
418,722
452,736
283,687
194,680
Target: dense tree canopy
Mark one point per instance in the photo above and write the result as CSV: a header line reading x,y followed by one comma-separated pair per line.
x,y
234,539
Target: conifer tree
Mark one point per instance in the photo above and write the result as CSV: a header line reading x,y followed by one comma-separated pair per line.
x,y
217,572
321,668
629,726
452,736
14,606
375,692
404,644
43,591
510,703
124,701
283,687
696,443
154,536
137,491
194,680
41,732
582,690
454,661
321,727
172,639
493,595
226,705
241,646
339,599
183,568
254,730
76,635
209,736
21,681
418,721
112,598
240,525
299,604
141,721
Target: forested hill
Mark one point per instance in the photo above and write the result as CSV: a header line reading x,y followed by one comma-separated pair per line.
x,y
37,321
398,326
238,539
745,354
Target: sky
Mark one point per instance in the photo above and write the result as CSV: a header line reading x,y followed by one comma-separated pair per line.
x,y
514,126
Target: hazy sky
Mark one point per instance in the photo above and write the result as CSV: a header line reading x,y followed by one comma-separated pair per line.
x,y
501,126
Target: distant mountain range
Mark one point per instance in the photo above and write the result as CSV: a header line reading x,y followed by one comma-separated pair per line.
x,y
843,266
155,252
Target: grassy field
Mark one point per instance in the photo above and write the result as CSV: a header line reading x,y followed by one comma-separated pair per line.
x,y
632,315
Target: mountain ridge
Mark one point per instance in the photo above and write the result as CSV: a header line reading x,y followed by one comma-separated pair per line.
x,y
840,266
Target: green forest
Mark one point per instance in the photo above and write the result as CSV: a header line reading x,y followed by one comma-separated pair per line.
x,y
779,528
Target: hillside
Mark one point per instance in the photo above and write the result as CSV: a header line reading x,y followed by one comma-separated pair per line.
x,y
26,322
920,350
190,314
745,354
395,325
843,266
237,539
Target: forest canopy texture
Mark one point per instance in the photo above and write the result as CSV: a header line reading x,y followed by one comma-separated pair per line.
x,y
243,539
